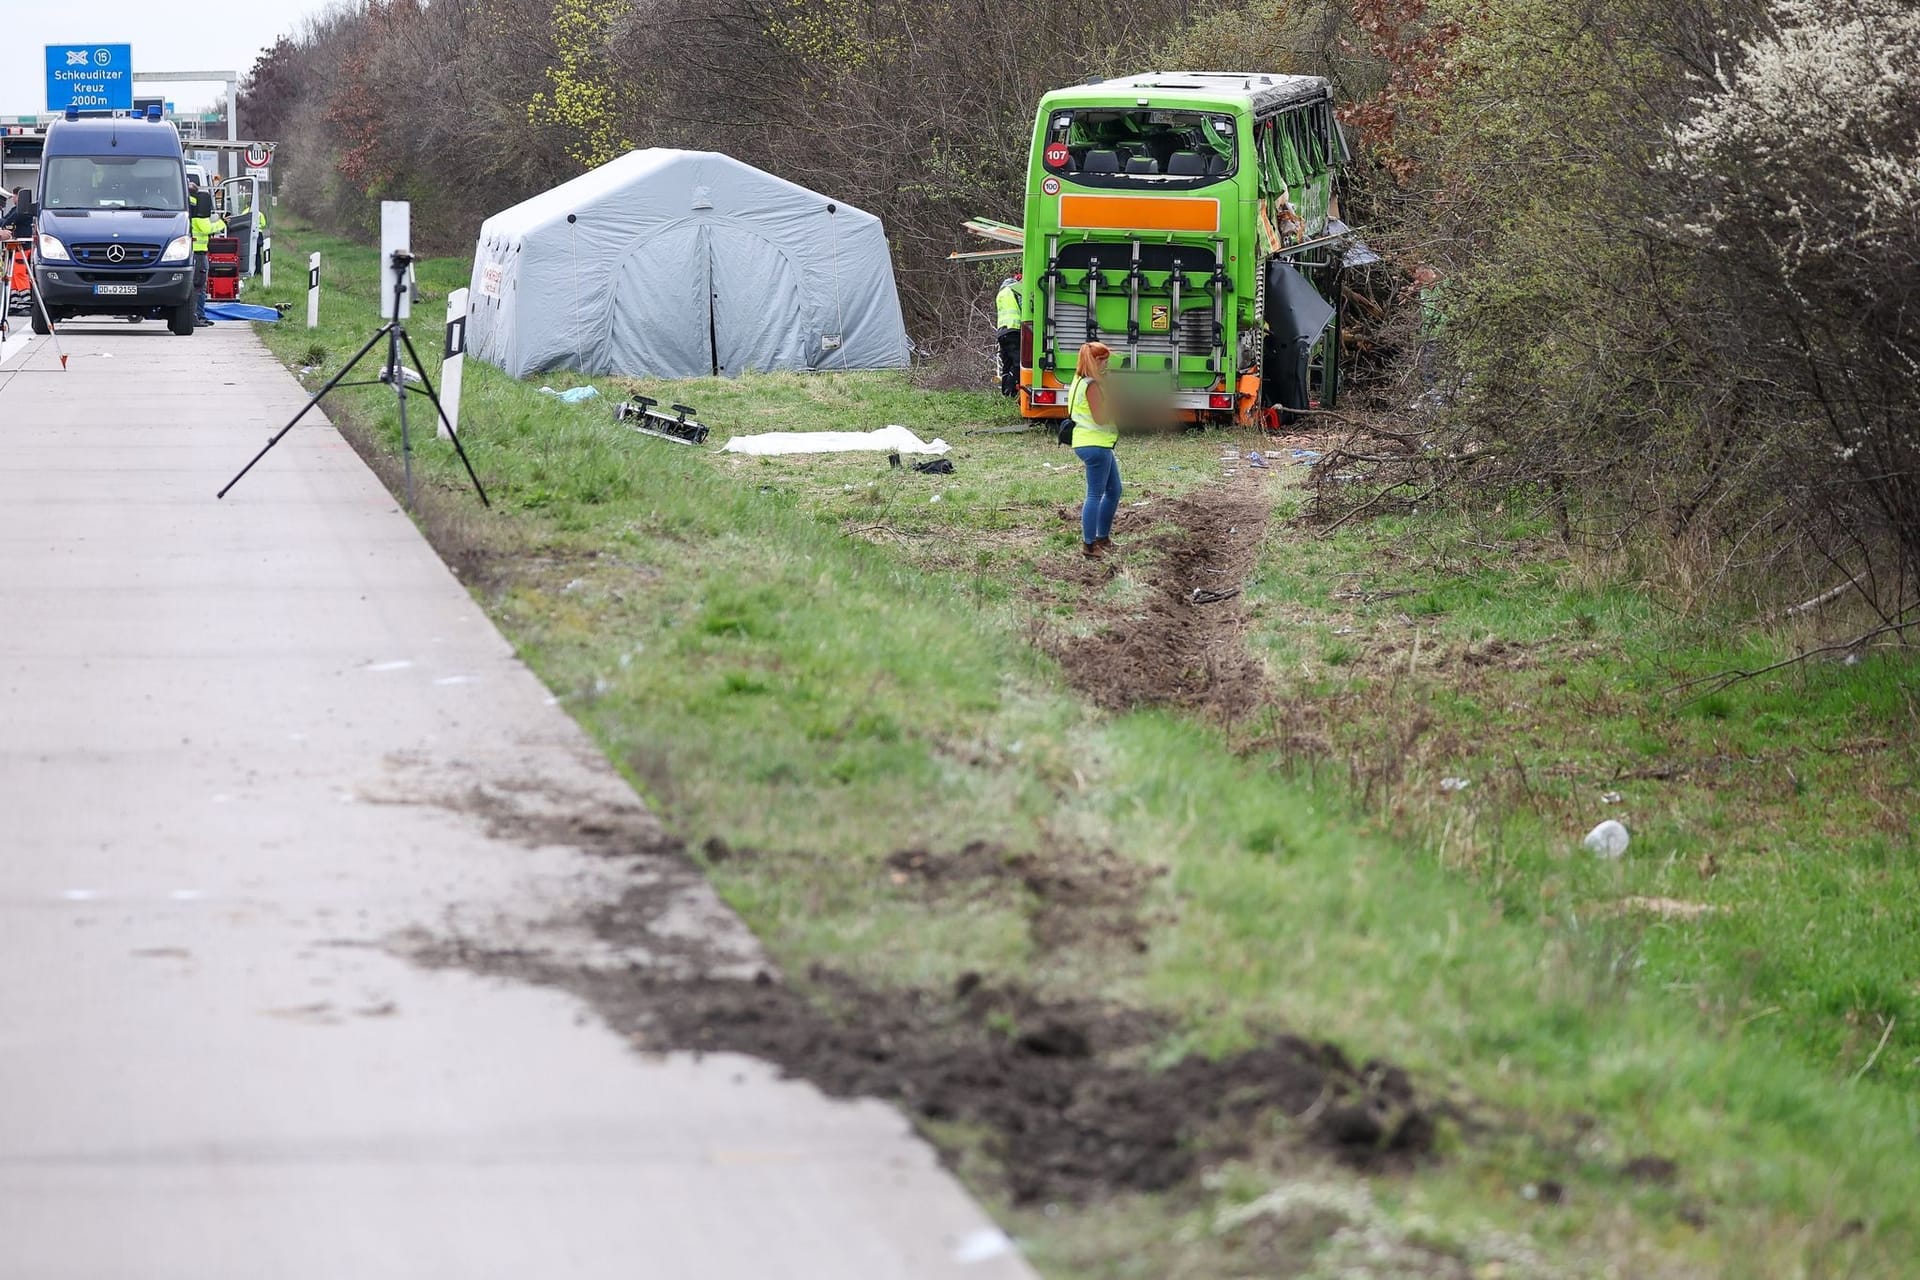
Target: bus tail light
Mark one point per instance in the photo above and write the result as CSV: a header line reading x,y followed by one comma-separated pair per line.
x,y
1219,400
1044,395
1026,345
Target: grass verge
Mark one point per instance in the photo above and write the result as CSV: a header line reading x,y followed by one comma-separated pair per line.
x,y
1699,1059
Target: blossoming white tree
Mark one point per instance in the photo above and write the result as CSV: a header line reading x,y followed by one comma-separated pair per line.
x,y
1808,141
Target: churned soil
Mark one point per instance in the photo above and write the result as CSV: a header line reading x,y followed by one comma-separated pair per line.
x,y
1085,899
1182,645
1063,1095
1069,1107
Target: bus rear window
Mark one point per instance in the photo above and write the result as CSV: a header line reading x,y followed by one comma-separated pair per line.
x,y
1143,147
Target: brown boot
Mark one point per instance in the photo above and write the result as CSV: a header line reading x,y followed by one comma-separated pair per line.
x,y
1105,544
1091,550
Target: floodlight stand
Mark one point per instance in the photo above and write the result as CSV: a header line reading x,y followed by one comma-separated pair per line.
x,y
396,335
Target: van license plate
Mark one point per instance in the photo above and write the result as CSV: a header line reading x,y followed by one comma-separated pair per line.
x,y
115,290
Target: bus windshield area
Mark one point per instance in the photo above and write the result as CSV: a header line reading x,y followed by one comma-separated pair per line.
x,y
1140,147
114,182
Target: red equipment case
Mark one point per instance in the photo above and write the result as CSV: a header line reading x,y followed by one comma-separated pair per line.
x,y
223,268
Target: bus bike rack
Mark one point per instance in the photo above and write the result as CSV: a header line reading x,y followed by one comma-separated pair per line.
x,y
1093,299
1176,278
1133,307
1221,282
1218,284
1050,278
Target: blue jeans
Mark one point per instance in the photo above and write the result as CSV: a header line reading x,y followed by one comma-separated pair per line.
x,y
1103,493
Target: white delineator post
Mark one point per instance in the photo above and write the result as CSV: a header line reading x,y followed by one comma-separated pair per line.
x,y
454,360
313,291
266,262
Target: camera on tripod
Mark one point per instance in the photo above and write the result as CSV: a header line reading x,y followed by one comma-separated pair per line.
x,y
397,294
397,287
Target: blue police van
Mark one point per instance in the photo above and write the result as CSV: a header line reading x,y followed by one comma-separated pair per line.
x,y
113,234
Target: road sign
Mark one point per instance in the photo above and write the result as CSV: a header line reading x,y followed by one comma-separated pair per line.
x,y
92,77
258,155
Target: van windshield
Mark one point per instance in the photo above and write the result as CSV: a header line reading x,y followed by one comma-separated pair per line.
x,y
1145,147
113,182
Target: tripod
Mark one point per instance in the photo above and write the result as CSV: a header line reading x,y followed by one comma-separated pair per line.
x,y
396,335
16,256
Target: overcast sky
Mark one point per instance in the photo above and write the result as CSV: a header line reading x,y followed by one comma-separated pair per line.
x,y
165,37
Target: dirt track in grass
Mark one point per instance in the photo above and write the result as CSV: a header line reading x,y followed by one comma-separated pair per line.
x,y
1063,1098
1183,645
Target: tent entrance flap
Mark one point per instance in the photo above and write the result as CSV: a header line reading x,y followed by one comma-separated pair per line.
x,y
670,274
759,310
740,296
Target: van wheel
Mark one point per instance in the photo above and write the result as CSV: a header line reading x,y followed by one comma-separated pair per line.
x,y
180,319
40,325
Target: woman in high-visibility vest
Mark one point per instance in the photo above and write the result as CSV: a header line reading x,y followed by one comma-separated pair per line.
x,y
1094,436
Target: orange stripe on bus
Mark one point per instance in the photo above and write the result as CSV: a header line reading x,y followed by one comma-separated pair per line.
x,y
1140,213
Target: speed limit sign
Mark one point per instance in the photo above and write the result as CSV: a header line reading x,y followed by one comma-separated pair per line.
x,y
258,155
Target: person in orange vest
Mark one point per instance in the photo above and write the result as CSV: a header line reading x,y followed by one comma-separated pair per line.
x,y
17,224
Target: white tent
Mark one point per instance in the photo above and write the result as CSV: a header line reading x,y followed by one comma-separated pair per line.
x,y
683,264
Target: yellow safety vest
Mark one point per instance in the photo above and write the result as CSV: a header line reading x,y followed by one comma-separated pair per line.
x,y
1088,431
1006,307
202,228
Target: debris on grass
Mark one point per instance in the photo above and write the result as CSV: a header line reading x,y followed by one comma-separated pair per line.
x,y
1608,840
1667,908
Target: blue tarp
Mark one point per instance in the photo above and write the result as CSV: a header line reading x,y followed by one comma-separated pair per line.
x,y
240,311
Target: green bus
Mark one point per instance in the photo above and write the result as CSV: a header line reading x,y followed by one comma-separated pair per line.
x,y
1190,221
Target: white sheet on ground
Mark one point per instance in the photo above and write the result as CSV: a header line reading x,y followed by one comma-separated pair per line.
x,y
894,439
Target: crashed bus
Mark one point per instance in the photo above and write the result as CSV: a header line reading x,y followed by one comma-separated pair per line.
x,y
1189,220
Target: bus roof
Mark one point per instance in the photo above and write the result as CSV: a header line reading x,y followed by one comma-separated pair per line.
x,y
1256,90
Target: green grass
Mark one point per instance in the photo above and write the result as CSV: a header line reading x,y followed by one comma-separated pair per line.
x,y
813,659
1780,802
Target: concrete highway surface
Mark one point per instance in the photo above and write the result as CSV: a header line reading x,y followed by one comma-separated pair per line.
x,y
258,757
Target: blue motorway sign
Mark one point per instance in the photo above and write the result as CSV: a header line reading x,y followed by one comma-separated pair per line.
x,y
92,77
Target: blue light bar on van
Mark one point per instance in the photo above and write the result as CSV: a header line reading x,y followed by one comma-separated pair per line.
x,y
73,112
153,111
